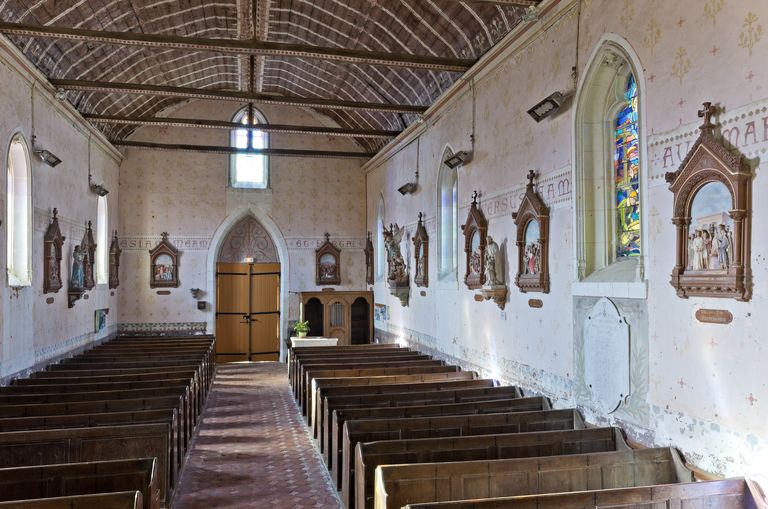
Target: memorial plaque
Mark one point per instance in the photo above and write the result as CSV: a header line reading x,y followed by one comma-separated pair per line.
x,y
606,355
163,292
720,316
423,293
49,300
535,303
479,298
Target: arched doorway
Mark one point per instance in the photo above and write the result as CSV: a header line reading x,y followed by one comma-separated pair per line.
x,y
248,294
360,327
314,314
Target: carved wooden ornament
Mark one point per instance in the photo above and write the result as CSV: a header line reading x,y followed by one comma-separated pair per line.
x,y
88,249
369,260
164,265
475,239
327,266
114,261
421,254
532,221
53,242
712,210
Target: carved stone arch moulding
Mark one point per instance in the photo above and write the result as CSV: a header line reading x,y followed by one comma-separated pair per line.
x,y
114,261
327,263
248,240
53,242
421,254
475,231
164,265
532,221
712,215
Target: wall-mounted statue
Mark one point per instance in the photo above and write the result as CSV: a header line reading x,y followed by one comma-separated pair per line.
x,y
494,288
77,276
328,263
398,277
532,221
421,254
52,247
88,250
114,261
369,260
475,230
712,215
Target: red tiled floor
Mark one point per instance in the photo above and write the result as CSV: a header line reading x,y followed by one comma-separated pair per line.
x,y
253,449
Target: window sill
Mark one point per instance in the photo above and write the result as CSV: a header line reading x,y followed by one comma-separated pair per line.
x,y
266,190
616,289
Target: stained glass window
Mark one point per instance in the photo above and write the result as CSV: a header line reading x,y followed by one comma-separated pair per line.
x,y
626,163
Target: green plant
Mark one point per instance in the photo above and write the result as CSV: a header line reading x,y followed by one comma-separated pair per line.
x,y
301,327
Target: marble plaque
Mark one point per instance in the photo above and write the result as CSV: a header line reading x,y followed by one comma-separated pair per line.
x,y
606,356
721,316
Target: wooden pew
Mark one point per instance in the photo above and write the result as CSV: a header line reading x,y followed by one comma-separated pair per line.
x,y
120,500
372,430
80,445
329,355
357,489
312,375
335,398
722,494
399,485
472,391
64,480
294,353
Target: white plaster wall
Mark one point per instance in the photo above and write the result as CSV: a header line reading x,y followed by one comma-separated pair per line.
x,y
34,331
186,194
708,391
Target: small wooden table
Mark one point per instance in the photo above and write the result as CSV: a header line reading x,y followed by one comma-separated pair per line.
x,y
313,341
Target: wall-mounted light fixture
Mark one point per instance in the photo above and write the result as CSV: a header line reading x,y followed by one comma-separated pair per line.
x,y
97,188
47,156
412,187
547,106
195,292
459,158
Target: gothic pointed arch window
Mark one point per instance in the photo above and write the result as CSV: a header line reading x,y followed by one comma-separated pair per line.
x,y
249,171
448,220
19,213
102,242
609,179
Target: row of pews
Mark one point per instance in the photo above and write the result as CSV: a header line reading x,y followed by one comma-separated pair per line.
x,y
108,428
397,428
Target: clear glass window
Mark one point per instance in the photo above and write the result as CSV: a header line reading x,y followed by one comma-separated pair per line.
x,y
250,171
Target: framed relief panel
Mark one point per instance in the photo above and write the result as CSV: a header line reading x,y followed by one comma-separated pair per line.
x,y
53,242
712,210
421,253
475,231
532,221
164,265
327,267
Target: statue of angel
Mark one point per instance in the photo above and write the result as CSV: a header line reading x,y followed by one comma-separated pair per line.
x,y
494,265
395,262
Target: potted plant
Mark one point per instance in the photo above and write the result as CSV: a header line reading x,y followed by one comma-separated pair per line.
x,y
301,328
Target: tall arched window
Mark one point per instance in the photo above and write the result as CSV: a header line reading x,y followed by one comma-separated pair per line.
x,y
250,171
608,186
381,257
102,242
19,214
448,217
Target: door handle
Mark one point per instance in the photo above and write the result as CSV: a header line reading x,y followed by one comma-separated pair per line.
x,y
246,319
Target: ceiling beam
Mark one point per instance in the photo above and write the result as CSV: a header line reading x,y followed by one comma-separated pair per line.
x,y
240,47
212,149
221,124
511,3
110,87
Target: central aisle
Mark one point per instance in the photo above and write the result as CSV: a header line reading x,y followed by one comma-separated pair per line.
x,y
253,449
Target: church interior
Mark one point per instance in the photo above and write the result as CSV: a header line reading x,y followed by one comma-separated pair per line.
x,y
383,254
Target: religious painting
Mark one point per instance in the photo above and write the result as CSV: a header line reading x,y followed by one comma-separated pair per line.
x,y
475,231
53,242
100,320
712,199
626,162
532,221
327,266
114,261
164,265
369,279
421,253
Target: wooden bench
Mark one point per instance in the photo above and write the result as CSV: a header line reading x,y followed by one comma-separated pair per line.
x,y
47,481
390,395
725,494
372,430
317,354
120,500
80,445
399,485
294,353
472,391
357,489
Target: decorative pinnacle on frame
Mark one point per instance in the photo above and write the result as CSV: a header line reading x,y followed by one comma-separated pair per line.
x,y
474,197
531,176
706,114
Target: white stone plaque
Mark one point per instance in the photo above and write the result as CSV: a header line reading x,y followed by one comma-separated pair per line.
x,y
606,356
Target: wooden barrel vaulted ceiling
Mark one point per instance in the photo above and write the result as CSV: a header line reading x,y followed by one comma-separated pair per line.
x,y
370,65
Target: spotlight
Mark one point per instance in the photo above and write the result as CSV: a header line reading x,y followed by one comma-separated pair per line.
x,y
459,158
97,188
48,157
547,107
408,188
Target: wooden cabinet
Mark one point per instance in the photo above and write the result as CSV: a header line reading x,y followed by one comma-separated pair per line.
x,y
347,316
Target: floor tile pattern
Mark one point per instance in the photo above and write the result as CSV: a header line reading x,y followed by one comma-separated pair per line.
x,y
253,449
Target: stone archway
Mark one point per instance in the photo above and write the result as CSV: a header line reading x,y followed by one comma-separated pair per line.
x,y
248,240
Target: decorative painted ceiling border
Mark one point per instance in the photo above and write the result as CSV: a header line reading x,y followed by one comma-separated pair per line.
x,y
551,13
744,128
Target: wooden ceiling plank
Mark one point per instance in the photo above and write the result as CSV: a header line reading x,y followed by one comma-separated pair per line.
x,y
511,3
240,47
221,124
212,149
230,95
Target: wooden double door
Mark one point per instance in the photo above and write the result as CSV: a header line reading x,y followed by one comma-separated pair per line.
x,y
247,312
